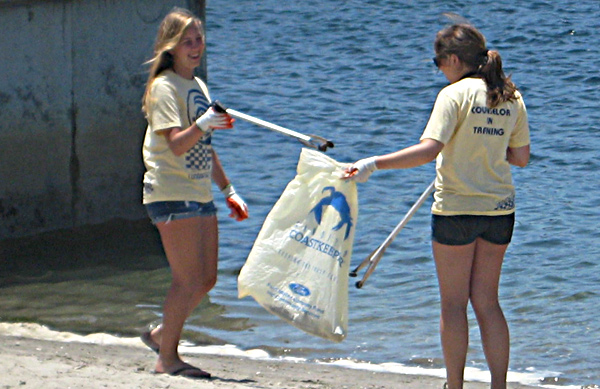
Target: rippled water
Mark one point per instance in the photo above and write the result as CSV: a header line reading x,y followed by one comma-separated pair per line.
x,y
360,74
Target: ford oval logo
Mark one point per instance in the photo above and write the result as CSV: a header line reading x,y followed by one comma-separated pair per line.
x,y
299,289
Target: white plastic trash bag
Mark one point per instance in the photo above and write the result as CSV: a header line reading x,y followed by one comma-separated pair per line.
x,y
298,267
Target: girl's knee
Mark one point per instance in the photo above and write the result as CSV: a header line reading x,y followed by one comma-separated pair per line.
x,y
207,283
451,308
203,284
455,303
202,289
195,286
485,306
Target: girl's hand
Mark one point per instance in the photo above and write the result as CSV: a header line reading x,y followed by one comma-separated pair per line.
x,y
238,207
361,170
213,120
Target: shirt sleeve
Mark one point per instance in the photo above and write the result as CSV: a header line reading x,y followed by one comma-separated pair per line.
x,y
520,135
443,120
164,112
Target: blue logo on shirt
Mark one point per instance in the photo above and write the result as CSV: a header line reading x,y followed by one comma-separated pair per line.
x,y
198,157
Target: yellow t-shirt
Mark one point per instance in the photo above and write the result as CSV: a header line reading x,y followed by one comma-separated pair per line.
x,y
176,102
472,173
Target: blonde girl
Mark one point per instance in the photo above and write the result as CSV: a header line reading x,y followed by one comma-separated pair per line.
x,y
181,165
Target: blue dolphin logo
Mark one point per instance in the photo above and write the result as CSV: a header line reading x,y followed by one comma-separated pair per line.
x,y
338,201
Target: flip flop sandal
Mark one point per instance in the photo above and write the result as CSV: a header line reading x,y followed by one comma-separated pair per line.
x,y
147,340
190,372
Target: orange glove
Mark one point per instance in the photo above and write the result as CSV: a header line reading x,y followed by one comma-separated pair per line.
x,y
238,207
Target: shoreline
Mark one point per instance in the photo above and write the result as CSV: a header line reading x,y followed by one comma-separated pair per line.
x,y
31,362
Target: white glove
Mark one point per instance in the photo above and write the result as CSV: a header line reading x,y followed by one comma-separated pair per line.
x,y
361,170
212,119
238,207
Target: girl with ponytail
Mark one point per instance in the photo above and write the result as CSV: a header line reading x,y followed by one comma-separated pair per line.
x,y
478,128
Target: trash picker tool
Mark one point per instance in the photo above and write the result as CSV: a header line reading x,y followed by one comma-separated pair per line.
x,y
373,259
313,141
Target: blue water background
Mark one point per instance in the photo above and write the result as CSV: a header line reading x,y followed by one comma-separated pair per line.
x,y
360,73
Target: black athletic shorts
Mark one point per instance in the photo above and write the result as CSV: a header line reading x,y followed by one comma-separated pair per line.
x,y
464,229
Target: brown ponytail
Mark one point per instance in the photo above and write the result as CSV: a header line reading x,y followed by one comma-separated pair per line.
x,y
499,87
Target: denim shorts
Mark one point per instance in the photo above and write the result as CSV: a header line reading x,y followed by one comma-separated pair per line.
x,y
166,211
464,229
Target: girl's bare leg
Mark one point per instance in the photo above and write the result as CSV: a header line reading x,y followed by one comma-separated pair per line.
x,y
191,246
453,265
484,299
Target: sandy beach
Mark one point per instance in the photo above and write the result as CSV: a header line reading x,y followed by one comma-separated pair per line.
x,y
28,362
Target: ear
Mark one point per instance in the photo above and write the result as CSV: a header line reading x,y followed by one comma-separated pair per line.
x,y
453,60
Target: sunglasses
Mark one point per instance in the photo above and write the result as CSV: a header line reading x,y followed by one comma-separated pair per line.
x,y
437,61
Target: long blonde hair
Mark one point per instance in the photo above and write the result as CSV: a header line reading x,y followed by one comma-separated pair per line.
x,y
469,45
171,29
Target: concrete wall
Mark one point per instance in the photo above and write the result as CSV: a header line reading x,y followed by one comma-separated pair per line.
x,y
71,81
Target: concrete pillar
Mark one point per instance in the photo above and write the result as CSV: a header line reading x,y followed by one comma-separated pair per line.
x,y
71,126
